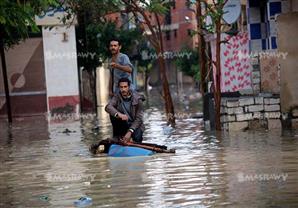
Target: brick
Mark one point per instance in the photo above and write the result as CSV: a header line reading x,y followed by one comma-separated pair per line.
x,y
257,124
257,115
222,110
255,108
246,101
271,101
259,100
274,124
244,117
223,102
238,126
227,118
272,108
232,103
238,110
272,114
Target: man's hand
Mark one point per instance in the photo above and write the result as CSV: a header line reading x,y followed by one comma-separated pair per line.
x,y
114,65
127,136
123,117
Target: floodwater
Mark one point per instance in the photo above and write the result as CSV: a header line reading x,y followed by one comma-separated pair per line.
x,y
43,166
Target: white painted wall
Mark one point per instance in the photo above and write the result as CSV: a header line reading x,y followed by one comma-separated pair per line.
x,y
60,61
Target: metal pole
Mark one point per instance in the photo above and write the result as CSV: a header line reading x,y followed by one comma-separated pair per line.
x,y
4,71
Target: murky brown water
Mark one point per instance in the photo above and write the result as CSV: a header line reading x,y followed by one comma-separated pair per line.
x,y
43,167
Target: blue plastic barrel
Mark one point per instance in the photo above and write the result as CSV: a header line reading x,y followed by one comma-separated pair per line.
x,y
126,151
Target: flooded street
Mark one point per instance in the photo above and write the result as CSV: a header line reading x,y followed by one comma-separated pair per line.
x,y
42,165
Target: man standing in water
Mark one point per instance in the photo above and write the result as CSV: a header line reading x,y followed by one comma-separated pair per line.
x,y
120,67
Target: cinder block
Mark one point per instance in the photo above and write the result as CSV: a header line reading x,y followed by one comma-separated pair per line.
x,y
244,117
271,101
238,126
255,108
232,103
272,107
237,110
257,115
223,102
274,124
272,114
246,101
257,124
230,118
259,100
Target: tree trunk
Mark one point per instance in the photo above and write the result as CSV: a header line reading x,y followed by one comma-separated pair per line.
x,y
166,93
201,50
5,79
217,87
165,84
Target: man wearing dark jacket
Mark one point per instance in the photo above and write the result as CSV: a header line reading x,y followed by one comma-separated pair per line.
x,y
126,111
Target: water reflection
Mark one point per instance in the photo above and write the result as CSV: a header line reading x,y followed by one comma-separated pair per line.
x,y
237,170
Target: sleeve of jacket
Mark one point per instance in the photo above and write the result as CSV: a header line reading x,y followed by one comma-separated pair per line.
x,y
139,116
111,106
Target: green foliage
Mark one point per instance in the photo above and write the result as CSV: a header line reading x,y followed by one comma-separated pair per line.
x,y
17,16
189,65
98,37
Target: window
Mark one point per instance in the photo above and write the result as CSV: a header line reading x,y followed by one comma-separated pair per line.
x,y
189,32
168,35
168,18
175,33
174,4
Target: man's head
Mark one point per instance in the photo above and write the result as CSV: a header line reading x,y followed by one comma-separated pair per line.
x,y
115,46
124,85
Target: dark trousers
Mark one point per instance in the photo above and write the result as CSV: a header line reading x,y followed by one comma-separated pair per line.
x,y
120,128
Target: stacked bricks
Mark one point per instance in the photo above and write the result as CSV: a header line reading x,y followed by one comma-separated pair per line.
x,y
256,75
238,113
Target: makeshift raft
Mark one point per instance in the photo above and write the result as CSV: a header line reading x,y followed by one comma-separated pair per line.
x,y
117,148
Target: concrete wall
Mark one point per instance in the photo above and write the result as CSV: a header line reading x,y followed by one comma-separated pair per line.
x,y
61,69
250,113
287,43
